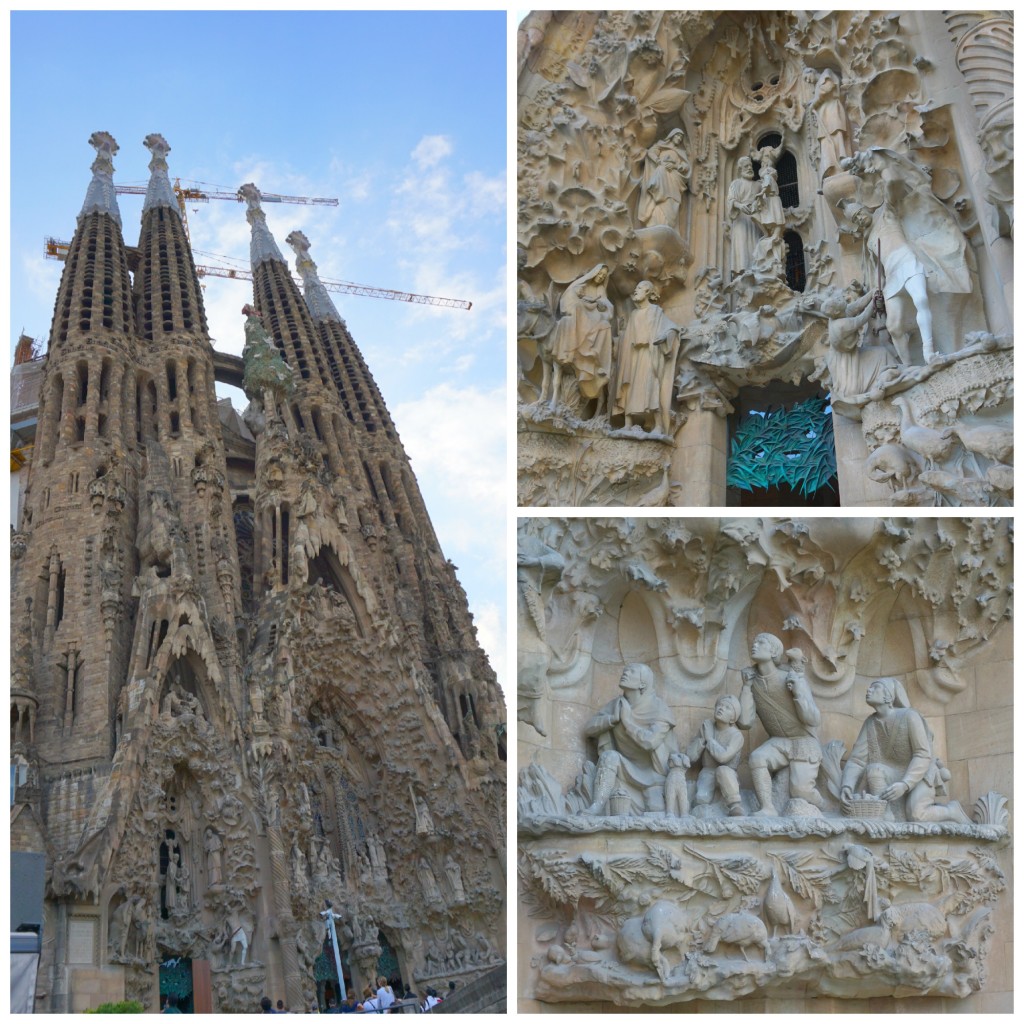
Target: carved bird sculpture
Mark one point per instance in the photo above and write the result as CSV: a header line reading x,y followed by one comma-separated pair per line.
x,y
995,443
932,445
778,907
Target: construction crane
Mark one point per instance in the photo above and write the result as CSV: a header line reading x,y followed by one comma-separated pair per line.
x,y
55,249
197,195
347,288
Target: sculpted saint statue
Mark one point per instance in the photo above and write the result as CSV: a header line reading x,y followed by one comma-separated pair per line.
x,y
635,736
770,215
647,360
893,758
212,845
833,125
783,703
666,171
742,209
582,338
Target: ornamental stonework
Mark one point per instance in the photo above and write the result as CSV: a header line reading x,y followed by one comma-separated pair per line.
x,y
725,215
765,761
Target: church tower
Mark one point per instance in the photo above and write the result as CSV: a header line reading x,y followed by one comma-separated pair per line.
x,y
213,763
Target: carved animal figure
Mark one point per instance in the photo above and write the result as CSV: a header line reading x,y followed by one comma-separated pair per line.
x,y
778,907
1001,478
643,939
995,443
739,929
902,918
956,488
892,463
932,445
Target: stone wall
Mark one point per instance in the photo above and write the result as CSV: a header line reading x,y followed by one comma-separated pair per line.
x,y
722,213
922,603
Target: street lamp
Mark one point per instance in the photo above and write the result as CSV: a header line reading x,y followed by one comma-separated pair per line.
x,y
330,917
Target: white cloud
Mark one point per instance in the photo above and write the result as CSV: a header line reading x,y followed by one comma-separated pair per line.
x,y
455,438
490,629
431,149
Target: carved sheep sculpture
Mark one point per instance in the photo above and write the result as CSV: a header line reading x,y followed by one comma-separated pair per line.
x,y
739,929
643,939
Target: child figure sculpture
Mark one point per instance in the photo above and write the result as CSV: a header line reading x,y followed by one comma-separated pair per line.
x,y
718,745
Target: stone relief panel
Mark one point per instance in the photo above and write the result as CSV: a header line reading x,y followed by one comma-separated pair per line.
x,y
743,758
713,202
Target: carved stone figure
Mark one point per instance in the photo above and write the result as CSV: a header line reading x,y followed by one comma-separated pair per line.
x,y
739,929
742,211
923,251
635,736
120,927
424,821
213,846
677,798
666,172
171,880
893,757
833,124
454,873
431,892
717,746
582,337
857,363
647,360
782,701
770,214
645,939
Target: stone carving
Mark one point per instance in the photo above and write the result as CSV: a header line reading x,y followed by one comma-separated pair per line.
x,y
893,758
634,736
647,362
213,846
454,874
783,703
651,875
582,337
666,174
833,125
828,155
717,746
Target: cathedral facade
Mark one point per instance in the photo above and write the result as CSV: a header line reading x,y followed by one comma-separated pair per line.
x,y
245,680
765,259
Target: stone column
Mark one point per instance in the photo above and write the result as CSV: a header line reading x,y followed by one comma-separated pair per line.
x,y
700,458
287,929
855,486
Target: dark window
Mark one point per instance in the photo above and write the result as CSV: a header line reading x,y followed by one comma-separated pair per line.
x,y
796,273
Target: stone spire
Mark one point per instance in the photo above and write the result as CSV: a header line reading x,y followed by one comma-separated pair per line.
x,y
321,307
279,301
167,296
100,197
159,191
360,397
262,247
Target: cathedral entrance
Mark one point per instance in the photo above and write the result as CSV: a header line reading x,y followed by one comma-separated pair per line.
x,y
782,448
176,980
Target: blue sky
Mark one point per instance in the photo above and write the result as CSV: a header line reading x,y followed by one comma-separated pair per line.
x,y
399,115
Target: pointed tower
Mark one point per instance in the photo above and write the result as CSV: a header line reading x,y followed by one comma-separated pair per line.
x,y
207,771
184,472
437,616
78,524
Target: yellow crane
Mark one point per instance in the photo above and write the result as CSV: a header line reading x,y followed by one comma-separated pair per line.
x,y
56,249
